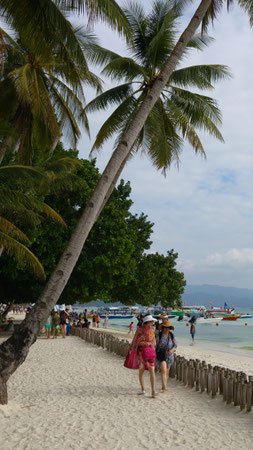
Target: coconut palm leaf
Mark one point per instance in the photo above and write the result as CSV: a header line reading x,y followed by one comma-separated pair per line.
x,y
106,10
9,228
22,254
115,122
112,97
202,76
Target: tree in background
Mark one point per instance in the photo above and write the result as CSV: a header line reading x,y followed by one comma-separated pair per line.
x,y
113,249
156,281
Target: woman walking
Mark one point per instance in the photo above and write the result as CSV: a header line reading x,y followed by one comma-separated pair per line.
x,y
55,324
165,347
63,323
144,342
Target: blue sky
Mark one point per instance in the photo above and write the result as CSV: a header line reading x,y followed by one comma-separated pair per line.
x,y
204,210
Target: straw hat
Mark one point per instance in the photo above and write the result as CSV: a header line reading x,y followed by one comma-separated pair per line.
x,y
167,324
163,315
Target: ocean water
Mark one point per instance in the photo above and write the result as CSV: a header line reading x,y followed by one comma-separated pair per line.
x,y
232,337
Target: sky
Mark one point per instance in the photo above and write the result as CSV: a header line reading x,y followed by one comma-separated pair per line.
x,y
204,209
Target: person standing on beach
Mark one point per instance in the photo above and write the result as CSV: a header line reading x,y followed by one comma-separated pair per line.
x,y
106,321
192,331
94,322
131,329
98,320
165,347
48,327
63,323
55,324
67,318
145,338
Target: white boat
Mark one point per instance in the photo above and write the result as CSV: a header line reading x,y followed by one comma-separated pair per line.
x,y
209,319
246,316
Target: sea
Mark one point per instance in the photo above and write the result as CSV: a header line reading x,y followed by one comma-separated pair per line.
x,y
234,337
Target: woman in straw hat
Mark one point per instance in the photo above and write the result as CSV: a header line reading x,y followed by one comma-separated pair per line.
x,y
145,338
165,348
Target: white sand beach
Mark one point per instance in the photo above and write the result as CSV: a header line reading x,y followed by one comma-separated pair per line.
x,y
72,395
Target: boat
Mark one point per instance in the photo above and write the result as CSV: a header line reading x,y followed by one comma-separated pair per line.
x,y
217,311
246,316
117,312
209,319
231,317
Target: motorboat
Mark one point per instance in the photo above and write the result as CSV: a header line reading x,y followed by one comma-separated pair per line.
x,y
117,313
232,317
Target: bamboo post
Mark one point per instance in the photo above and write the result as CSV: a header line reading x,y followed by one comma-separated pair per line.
x,y
185,370
249,396
192,377
213,384
251,381
203,378
189,374
243,395
237,393
230,390
225,384
197,376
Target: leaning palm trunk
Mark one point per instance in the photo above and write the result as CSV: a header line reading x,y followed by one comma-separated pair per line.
x,y
14,351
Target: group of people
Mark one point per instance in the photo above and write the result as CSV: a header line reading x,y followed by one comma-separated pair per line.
x,y
60,322
155,344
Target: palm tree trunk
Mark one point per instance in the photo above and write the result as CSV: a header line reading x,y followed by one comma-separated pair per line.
x,y
14,351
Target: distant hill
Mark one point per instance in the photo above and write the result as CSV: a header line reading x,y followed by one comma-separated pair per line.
x,y
206,293
203,295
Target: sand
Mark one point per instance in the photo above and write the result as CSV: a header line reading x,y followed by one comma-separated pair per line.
x,y
72,395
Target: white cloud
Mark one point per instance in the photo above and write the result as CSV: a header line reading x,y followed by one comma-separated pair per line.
x,y
234,257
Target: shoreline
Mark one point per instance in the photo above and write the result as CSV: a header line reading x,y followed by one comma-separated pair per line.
x,y
213,356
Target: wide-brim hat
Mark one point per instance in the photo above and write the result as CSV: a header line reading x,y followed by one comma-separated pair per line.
x,y
167,324
148,318
163,315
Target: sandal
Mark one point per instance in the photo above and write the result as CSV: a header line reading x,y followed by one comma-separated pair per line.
x,y
142,393
154,394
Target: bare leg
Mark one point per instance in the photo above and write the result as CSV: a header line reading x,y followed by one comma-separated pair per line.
x,y
63,331
141,378
152,378
164,375
48,333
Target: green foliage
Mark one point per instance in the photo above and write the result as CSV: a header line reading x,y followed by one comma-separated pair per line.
x,y
156,281
111,254
112,265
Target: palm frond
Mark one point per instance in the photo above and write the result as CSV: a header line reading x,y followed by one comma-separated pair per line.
x,y
106,10
22,255
115,122
127,68
202,76
9,228
110,97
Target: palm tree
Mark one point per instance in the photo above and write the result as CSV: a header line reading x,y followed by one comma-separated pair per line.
x,y
41,97
178,112
21,202
45,21
14,351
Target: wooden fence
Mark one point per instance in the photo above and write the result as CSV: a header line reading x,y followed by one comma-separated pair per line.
x,y
234,387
